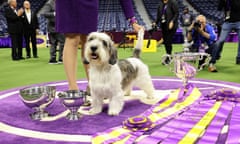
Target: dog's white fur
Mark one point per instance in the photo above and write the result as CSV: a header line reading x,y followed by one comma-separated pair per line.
x,y
106,77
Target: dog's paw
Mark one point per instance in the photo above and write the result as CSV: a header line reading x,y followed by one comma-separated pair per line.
x,y
113,113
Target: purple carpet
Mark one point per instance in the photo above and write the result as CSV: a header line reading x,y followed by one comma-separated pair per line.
x,y
14,113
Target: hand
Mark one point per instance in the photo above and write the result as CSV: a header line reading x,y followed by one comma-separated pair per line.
x,y
190,27
37,31
137,27
170,26
20,12
200,29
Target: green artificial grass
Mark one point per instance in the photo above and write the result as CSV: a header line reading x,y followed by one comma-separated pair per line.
x,y
34,71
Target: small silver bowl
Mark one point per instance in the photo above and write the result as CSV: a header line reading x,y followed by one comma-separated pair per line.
x,y
38,98
72,100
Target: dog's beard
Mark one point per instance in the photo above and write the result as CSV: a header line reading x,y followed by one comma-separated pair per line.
x,y
93,57
98,57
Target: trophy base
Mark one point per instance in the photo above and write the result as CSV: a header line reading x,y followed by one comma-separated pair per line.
x,y
73,116
39,115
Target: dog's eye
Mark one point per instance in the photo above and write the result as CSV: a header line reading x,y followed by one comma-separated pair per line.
x,y
90,39
105,43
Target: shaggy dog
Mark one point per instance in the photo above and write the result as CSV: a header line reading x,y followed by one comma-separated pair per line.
x,y
112,78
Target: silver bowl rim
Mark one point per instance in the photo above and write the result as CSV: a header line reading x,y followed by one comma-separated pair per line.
x,y
29,87
81,94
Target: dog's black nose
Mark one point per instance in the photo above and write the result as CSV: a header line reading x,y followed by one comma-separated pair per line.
x,y
93,48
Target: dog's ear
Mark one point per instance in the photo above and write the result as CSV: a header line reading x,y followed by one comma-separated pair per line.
x,y
113,55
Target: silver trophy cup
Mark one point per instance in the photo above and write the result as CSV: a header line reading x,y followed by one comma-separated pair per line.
x,y
72,100
186,64
38,98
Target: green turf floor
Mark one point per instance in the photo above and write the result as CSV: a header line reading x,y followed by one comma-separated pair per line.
x,y
34,71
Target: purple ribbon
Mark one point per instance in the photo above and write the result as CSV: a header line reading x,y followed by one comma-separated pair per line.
x,y
225,94
186,121
228,114
184,92
172,121
234,126
213,131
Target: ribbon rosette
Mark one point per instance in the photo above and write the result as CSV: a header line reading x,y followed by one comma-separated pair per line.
x,y
138,123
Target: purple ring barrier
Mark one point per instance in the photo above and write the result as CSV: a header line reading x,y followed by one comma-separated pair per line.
x,y
5,42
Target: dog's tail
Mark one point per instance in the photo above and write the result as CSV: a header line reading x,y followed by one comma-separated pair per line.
x,y
138,48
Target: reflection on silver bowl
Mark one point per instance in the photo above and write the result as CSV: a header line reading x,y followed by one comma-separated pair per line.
x,y
72,100
38,98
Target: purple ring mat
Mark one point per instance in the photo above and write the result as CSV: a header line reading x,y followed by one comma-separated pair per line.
x,y
13,112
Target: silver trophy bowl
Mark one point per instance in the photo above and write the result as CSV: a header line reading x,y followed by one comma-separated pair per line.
x,y
186,64
72,100
38,98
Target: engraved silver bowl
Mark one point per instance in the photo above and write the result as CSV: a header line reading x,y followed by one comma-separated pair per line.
x,y
38,98
72,100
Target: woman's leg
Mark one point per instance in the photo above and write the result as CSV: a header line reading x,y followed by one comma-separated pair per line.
x,y
70,59
83,41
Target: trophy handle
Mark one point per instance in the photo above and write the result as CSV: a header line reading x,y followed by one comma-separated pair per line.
x,y
167,56
182,68
207,60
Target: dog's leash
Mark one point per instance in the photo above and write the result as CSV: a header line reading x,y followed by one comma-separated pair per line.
x,y
139,44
